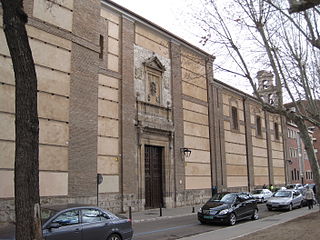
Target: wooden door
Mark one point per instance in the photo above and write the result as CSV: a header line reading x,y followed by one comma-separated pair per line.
x,y
153,176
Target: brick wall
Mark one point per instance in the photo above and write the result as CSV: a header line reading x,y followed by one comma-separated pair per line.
x,y
84,101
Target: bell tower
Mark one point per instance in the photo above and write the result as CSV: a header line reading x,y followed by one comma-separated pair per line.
x,y
266,89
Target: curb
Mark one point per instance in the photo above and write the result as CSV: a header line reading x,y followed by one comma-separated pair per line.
x,y
162,218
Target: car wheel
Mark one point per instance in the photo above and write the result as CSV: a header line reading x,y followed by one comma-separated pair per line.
x,y
270,208
202,222
255,215
301,204
232,219
114,237
290,207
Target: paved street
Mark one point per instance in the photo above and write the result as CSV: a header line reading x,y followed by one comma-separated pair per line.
x,y
175,228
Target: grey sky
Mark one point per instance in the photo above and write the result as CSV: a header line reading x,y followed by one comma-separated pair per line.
x,y
175,16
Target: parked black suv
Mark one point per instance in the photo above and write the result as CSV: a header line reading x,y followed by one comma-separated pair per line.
x,y
228,208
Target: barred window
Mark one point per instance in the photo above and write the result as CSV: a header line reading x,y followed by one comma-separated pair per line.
x,y
276,131
259,126
235,120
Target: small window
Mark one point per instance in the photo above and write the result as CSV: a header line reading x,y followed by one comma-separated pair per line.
x,y
259,126
276,131
235,122
101,45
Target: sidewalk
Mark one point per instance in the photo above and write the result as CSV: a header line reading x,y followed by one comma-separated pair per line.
x,y
228,233
154,214
240,230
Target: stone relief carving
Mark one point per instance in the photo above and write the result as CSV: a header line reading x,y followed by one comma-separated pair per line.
x,y
145,58
138,73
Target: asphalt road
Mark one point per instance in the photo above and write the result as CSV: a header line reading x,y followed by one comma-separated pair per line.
x,y
175,228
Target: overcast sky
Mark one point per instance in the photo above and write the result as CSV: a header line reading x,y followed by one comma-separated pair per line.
x,y
174,16
169,14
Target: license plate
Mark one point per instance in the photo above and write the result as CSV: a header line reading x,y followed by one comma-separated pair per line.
x,y
208,217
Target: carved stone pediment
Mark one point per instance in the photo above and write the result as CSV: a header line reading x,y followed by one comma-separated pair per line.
x,y
154,63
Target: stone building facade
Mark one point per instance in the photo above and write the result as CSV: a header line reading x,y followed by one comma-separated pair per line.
x,y
121,97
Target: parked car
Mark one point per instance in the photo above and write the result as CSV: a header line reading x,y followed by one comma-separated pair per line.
x,y
294,186
71,222
228,208
261,195
285,199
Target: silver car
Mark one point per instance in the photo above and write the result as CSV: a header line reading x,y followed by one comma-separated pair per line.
x,y
285,199
79,223
261,195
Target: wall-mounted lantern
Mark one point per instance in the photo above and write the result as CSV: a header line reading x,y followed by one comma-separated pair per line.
x,y
185,152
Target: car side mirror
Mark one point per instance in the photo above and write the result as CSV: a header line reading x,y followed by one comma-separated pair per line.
x,y
54,225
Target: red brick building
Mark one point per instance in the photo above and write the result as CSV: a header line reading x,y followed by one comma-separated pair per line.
x,y
299,170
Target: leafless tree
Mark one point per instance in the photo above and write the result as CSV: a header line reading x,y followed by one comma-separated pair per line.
x,y
261,34
26,172
301,5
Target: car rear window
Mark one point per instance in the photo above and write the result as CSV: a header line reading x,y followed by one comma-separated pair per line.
x,y
257,191
282,194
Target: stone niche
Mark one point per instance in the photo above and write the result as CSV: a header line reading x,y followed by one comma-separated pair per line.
x,y
154,90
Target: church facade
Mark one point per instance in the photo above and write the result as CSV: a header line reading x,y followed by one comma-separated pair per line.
x,y
125,102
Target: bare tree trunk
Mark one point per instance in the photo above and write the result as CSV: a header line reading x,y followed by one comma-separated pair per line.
x,y
26,172
308,145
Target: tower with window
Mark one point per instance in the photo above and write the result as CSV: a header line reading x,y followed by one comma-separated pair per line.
x,y
266,89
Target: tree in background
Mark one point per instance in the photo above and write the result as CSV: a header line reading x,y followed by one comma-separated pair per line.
x,y
249,35
302,5
26,171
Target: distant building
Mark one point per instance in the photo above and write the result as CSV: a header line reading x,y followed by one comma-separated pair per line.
x,y
303,108
297,162
299,170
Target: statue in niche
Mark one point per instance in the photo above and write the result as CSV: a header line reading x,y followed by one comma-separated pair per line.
x,y
154,73
153,88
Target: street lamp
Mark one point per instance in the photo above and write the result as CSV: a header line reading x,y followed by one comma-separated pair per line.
x,y
186,152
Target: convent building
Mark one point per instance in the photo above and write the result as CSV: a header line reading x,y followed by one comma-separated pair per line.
x,y
122,98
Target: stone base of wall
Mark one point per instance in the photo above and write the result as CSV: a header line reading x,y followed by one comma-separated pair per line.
x,y
117,204
193,197
7,213
238,189
112,202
